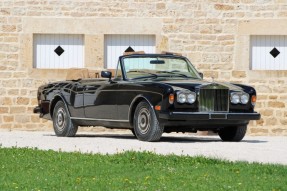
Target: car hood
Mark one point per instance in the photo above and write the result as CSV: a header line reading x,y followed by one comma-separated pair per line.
x,y
196,83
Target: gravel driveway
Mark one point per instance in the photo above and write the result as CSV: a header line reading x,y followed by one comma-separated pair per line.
x,y
252,148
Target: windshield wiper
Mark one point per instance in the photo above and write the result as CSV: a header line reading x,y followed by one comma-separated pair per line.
x,y
173,72
152,75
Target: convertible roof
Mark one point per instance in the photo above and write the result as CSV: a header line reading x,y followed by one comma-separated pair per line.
x,y
143,54
171,53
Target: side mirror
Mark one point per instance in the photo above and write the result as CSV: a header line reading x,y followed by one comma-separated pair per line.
x,y
201,74
106,74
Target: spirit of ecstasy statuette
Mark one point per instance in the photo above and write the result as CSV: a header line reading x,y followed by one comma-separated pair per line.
x,y
212,77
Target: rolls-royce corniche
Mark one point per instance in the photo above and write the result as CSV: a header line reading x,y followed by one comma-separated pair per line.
x,y
149,94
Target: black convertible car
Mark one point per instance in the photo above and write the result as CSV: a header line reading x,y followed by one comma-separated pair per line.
x,y
149,94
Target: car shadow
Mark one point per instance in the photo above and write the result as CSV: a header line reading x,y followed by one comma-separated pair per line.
x,y
112,136
173,139
254,141
165,138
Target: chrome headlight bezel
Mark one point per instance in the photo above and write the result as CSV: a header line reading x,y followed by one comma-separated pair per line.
x,y
235,98
244,98
185,97
191,97
181,97
239,97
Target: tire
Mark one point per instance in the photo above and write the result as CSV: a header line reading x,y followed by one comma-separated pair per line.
x,y
233,134
62,123
133,132
146,125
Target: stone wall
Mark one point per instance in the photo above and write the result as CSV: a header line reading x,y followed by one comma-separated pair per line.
x,y
213,34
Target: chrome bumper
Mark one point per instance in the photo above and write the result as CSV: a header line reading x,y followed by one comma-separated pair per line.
x,y
37,110
192,116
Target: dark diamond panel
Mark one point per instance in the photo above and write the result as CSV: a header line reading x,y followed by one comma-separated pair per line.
x,y
274,52
59,50
129,49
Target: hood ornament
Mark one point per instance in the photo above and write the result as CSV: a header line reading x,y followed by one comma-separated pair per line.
x,y
212,77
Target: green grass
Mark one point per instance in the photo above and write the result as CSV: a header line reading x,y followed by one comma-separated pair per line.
x,y
32,169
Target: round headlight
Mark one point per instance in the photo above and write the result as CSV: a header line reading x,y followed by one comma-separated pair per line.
x,y
235,98
181,98
244,98
191,98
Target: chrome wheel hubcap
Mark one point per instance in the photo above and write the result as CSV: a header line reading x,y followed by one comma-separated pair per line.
x,y
144,120
60,120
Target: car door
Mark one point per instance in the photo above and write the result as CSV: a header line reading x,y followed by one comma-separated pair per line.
x,y
126,93
100,100
76,100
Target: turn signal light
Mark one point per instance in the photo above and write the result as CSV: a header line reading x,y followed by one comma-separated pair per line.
x,y
157,107
253,100
171,98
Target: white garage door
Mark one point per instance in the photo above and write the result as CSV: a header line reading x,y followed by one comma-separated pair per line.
x,y
115,46
269,52
58,51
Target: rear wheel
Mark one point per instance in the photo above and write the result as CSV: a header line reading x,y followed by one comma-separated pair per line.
x,y
146,125
233,134
62,123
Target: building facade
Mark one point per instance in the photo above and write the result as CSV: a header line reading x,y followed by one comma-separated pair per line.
x,y
242,41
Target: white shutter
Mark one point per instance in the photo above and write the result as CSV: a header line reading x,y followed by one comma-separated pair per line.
x,y
115,45
45,56
261,52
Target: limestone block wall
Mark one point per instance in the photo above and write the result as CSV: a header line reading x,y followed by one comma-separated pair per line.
x,y
213,34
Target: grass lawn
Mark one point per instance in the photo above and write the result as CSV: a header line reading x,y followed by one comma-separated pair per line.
x,y
32,169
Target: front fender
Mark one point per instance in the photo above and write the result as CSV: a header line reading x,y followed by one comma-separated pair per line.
x,y
136,101
56,98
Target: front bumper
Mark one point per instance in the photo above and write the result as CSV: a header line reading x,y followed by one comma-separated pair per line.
x,y
195,116
37,110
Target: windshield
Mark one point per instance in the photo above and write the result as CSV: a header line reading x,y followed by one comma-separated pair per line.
x,y
158,67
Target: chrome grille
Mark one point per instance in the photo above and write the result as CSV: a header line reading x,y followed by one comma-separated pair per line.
x,y
213,100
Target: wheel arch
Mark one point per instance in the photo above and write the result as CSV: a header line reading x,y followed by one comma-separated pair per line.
x,y
134,104
54,101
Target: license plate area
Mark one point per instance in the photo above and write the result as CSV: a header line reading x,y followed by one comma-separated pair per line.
x,y
217,116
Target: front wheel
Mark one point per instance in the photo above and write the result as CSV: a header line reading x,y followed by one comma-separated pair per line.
x,y
146,125
233,134
62,123
133,132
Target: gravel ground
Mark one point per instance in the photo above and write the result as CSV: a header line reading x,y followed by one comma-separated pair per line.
x,y
252,148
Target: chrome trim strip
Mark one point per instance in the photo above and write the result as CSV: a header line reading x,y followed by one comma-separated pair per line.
x,y
207,113
93,119
94,91
131,91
